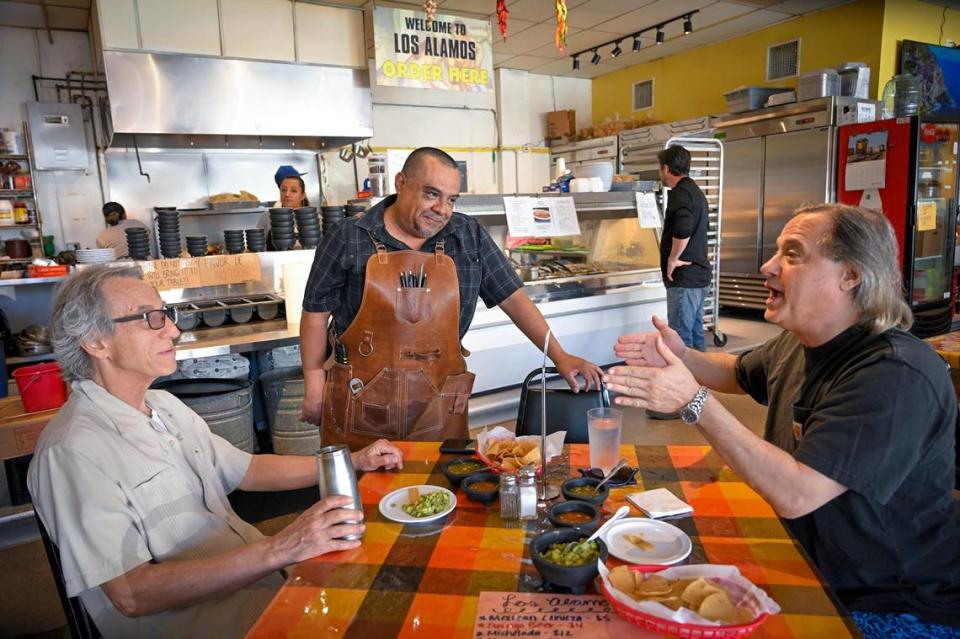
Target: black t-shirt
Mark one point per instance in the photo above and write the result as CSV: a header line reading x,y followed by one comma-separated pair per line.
x,y
686,217
878,414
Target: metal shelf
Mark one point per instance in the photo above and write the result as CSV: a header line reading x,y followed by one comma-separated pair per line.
x,y
18,226
29,359
16,193
23,281
10,156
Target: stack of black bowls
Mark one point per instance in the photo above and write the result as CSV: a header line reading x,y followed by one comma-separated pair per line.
x,y
168,231
281,228
332,215
197,245
308,226
354,209
233,241
138,243
256,240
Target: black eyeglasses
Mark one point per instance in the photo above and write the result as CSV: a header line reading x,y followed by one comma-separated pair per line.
x,y
155,318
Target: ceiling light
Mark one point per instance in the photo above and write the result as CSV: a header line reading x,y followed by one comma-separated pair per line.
x,y
687,24
616,50
596,58
636,43
660,36
576,63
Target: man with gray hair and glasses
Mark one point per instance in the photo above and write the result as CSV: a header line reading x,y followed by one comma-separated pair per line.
x,y
132,486
858,450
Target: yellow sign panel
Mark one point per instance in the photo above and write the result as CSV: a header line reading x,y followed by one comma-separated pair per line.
x,y
927,216
452,53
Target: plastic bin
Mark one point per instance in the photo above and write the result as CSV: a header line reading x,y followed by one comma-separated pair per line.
x,y
41,387
750,98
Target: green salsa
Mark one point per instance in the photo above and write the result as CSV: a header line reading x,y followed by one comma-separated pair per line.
x,y
464,468
583,491
572,554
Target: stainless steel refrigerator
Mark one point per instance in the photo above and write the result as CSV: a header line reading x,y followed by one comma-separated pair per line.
x,y
775,160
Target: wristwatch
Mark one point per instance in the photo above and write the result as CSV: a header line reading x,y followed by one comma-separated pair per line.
x,y
690,413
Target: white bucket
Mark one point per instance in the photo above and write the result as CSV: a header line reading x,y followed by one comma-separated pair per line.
x,y
295,275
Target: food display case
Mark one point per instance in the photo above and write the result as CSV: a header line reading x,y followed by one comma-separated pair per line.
x,y
591,288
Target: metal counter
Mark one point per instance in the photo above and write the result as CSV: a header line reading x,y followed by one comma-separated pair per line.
x,y
237,338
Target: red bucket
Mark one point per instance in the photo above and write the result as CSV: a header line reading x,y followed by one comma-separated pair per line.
x,y
41,387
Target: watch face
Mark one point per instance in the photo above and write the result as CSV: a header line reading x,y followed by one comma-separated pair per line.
x,y
688,415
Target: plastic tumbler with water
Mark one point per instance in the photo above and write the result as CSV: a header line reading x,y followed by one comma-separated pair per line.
x,y
603,430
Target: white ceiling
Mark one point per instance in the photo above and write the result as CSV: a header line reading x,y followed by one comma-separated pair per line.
x,y
532,24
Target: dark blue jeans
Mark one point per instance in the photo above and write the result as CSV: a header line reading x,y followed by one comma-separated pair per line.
x,y
685,314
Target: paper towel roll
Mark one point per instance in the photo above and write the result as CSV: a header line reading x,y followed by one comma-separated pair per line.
x,y
295,276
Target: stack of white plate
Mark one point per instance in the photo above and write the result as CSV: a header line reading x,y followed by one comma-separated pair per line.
x,y
96,256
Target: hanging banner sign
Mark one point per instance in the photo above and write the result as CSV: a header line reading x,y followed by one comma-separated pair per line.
x,y
453,54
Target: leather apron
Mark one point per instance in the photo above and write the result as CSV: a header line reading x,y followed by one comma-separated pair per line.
x,y
405,377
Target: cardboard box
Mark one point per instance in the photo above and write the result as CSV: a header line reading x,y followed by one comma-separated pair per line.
x,y
19,430
561,123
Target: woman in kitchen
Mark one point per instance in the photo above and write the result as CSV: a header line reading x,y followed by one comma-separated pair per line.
x,y
293,193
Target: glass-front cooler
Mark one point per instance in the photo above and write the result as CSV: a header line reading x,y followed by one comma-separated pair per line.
x,y
936,207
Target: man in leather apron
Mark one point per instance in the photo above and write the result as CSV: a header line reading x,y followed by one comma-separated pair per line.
x,y
402,283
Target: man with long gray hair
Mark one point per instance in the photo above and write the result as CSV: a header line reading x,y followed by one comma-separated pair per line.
x,y
857,453
132,486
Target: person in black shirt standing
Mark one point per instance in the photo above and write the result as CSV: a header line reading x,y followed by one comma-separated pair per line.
x,y
683,247
858,452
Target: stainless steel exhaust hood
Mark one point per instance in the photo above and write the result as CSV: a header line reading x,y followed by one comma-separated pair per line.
x,y
180,101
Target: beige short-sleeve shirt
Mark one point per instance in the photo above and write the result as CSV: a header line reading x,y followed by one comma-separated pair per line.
x,y
114,491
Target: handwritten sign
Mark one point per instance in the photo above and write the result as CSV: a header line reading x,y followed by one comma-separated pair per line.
x,y
927,216
196,272
533,614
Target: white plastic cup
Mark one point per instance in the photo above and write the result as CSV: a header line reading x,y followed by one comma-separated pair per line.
x,y
603,431
596,185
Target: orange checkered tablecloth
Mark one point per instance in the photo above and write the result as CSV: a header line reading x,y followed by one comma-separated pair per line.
x,y
424,580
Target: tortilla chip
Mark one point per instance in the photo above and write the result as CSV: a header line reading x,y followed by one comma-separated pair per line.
x,y
717,607
622,579
654,585
673,603
413,493
694,594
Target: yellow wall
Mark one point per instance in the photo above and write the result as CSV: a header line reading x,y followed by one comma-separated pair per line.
x,y
692,83
913,20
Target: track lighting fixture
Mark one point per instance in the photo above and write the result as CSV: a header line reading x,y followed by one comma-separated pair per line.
x,y
616,50
576,63
660,36
636,42
596,58
687,24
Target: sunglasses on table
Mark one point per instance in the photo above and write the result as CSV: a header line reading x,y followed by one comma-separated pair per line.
x,y
156,318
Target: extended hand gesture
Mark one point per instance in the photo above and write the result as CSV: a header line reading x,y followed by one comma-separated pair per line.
x,y
665,388
639,349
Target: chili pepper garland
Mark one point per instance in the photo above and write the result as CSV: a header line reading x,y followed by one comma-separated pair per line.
x,y
502,17
430,8
561,39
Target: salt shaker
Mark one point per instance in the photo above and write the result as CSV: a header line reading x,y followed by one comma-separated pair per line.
x,y
509,496
528,492
337,477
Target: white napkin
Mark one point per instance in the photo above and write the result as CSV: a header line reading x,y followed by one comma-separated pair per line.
x,y
659,502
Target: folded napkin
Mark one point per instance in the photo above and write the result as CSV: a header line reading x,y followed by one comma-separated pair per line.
x,y
659,502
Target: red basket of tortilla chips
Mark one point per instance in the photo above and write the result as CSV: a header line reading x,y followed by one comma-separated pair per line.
x,y
501,450
696,601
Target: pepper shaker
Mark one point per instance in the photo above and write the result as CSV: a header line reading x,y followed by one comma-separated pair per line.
x,y
509,496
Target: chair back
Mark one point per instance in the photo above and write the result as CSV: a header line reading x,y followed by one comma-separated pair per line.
x,y
78,620
566,410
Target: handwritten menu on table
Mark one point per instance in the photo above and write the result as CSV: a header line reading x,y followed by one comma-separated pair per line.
x,y
195,272
534,614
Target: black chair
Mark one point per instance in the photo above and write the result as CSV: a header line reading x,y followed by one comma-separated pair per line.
x,y
78,619
566,410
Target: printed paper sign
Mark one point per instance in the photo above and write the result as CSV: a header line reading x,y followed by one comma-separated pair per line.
x,y
927,216
541,217
866,162
452,54
647,211
533,614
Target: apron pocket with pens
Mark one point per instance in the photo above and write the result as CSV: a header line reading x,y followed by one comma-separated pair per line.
x,y
413,304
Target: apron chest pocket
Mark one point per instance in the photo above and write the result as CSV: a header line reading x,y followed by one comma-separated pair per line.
x,y
413,304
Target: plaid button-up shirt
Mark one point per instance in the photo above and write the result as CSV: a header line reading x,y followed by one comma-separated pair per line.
x,y
340,265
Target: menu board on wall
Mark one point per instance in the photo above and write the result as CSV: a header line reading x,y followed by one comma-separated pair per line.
x,y
195,272
452,54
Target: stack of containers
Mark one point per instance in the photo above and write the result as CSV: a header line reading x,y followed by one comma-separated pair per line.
x,y
197,245
233,241
168,231
354,209
308,227
138,243
332,215
281,228
256,240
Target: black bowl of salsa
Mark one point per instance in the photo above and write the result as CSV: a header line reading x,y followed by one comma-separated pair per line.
x,y
456,469
482,487
585,489
581,515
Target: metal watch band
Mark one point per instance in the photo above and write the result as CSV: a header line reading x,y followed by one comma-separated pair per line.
x,y
691,412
